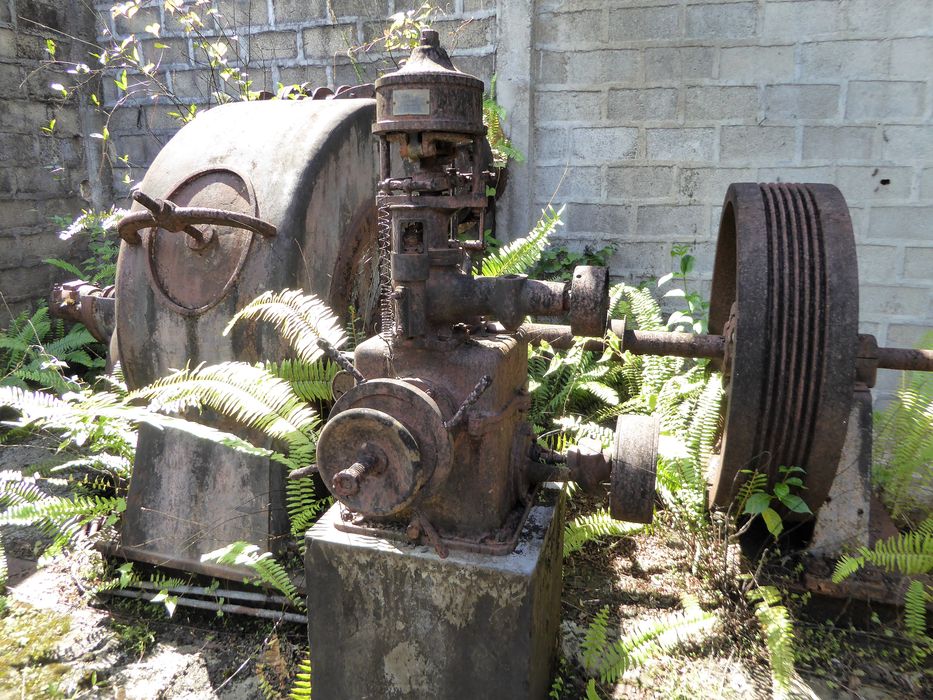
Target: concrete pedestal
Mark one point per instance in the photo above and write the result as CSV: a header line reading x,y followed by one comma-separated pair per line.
x,y
391,620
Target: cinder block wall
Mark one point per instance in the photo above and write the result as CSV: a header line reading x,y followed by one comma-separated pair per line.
x,y
279,42
42,173
642,112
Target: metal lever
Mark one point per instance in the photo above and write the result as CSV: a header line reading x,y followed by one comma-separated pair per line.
x,y
165,214
478,390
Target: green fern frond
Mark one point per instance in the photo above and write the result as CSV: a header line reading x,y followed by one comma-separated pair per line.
x,y
594,526
778,630
595,640
311,382
268,571
300,319
301,686
903,446
908,553
647,640
248,394
303,504
521,254
915,608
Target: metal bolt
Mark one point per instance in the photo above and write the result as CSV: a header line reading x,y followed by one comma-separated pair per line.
x,y
347,482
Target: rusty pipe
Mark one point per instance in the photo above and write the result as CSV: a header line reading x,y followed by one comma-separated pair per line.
x,y
697,345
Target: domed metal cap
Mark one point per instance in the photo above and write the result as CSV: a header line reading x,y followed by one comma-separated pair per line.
x,y
429,94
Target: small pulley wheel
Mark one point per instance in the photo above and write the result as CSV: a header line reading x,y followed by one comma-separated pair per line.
x,y
634,468
589,301
414,410
370,461
785,293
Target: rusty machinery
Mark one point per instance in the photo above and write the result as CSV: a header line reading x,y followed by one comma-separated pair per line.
x,y
427,440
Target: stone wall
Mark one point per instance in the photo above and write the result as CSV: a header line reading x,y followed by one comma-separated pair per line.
x,y
42,173
642,112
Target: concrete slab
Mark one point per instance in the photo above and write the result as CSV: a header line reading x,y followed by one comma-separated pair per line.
x,y
391,620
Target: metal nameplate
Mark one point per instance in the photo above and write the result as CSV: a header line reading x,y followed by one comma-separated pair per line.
x,y
411,102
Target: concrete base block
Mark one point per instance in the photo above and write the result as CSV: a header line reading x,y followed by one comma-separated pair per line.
x,y
391,620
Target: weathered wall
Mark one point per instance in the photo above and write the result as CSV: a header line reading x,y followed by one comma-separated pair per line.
x,y
41,174
642,112
280,42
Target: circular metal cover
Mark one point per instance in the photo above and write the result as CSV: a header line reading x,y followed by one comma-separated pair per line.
x,y
634,468
411,407
589,300
786,272
193,279
358,433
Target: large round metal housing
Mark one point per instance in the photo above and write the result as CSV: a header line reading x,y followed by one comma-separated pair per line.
x,y
785,295
307,168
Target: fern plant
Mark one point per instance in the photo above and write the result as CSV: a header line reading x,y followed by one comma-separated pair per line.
x,y
594,526
903,447
268,571
36,352
521,254
608,660
778,629
910,554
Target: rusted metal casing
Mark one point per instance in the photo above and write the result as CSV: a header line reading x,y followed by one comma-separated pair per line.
x,y
281,163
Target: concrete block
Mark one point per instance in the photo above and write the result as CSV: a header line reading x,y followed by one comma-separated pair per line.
x,y
551,144
838,143
568,106
926,184
642,105
142,18
604,144
717,103
878,263
267,46
681,144
685,222
642,23
901,223
562,183
864,183
468,34
792,102
323,43
676,64
637,261
599,67
755,64
474,6
709,185
242,14
638,182
882,301
796,174
391,620
907,144
7,43
608,219
482,66
887,18
312,76
191,84
298,11
796,20
569,29
764,145
878,100
166,51
911,58
550,67
722,21
908,335
844,59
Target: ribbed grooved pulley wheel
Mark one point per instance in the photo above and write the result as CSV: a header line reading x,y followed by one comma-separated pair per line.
x,y
786,274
